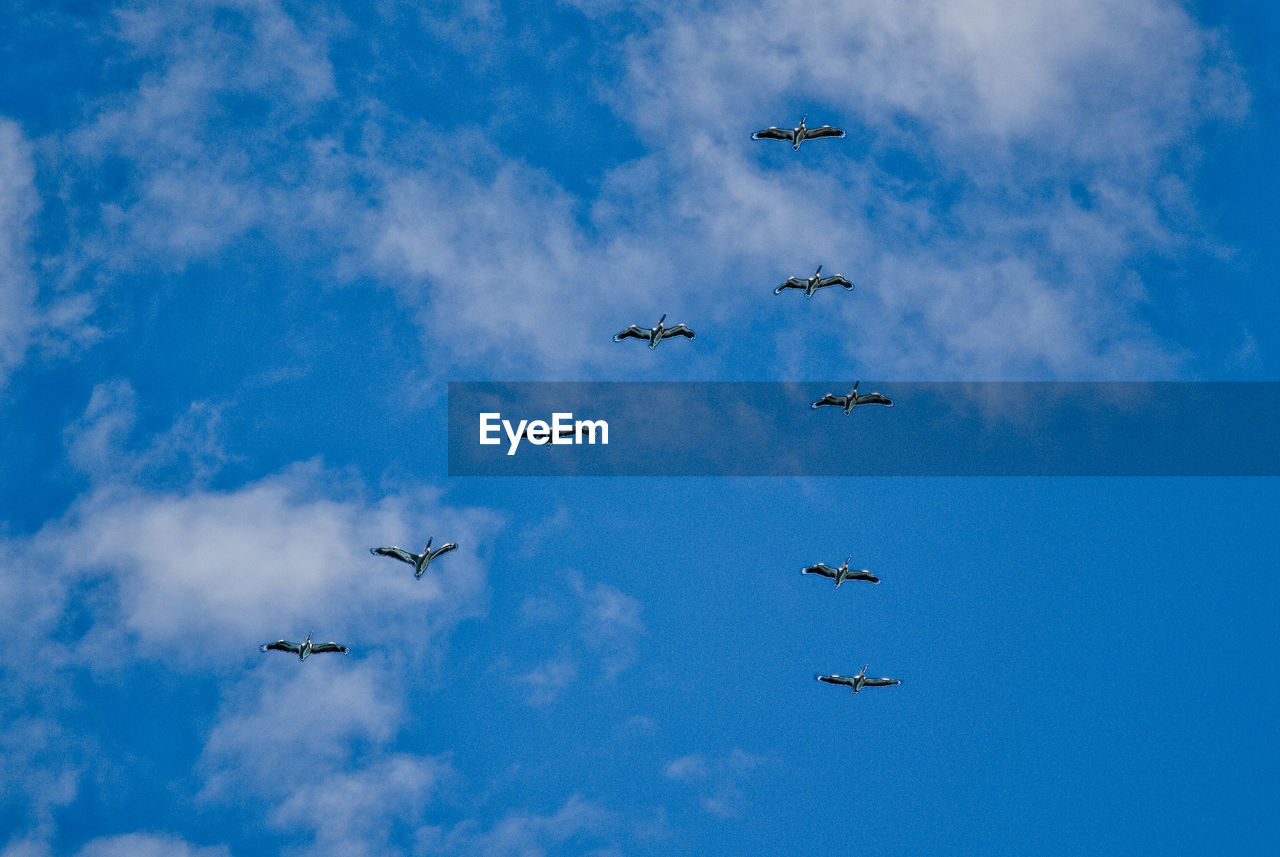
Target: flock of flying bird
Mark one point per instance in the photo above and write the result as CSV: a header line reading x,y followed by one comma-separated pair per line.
x,y
654,335
419,561
657,333
796,136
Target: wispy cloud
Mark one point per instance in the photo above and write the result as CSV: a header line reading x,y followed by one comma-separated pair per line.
x,y
186,580
577,821
609,624
547,680
719,780
30,315
603,642
1009,170
266,559
148,845
125,845
17,286
314,747
1051,149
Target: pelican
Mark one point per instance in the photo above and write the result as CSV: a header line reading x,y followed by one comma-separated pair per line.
x,y
841,574
654,334
798,134
859,681
303,649
812,284
852,400
419,561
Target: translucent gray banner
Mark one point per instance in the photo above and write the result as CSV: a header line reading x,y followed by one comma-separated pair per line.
x,y
931,429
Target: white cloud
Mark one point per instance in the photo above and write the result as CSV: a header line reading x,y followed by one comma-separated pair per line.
x,y
96,441
524,834
148,845
610,622
311,743
17,287
288,723
278,557
1050,139
352,811
199,175
41,765
125,845
1054,150
692,767
548,679
499,267
28,846
719,781
191,582
99,442
603,643
53,323
1085,78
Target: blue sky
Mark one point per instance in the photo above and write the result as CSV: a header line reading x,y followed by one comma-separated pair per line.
x,y
244,246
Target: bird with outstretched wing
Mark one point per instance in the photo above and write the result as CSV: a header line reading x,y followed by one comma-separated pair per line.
x,y
841,574
419,561
655,334
797,135
857,682
853,399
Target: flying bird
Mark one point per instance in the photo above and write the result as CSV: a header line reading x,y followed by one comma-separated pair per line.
x,y
852,400
859,681
798,134
841,574
303,649
654,334
812,284
419,561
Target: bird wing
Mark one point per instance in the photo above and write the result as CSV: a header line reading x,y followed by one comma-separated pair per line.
x,y
280,646
823,131
633,332
829,399
837,280
773,132
875,399
880,682
402,555
862,575
835,679
821,568
791,283
329,647
678,330
443,549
